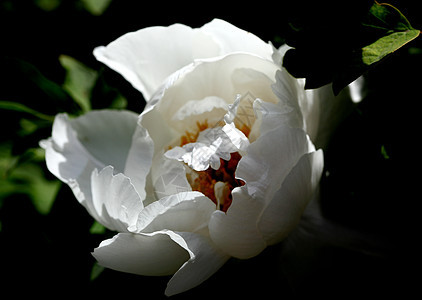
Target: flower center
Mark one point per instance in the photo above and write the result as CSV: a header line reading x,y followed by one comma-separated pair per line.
x,y
218,184
191,137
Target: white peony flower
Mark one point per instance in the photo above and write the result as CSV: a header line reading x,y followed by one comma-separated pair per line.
x,y
220,164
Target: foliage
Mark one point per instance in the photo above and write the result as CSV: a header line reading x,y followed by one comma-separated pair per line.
x,y
341,48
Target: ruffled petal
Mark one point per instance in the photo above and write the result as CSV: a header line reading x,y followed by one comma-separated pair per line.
x,y
236,231
290,92
199,81
283,212
191,257
322,111
211,145
317,111
270,158
139,159
152,254
107,135
194,112
92,141
168,177
205,259
233,39
220,77
115,199
264,167
185,211
66,157
252,222
69,161
148,56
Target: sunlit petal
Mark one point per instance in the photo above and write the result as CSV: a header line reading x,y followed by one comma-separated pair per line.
x,y
151,254
205,259
115,199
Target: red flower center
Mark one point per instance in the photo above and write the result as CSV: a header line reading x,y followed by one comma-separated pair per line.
x,y
205,181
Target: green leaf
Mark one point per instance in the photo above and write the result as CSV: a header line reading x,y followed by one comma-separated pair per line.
x,y
395,29
96,7
7,161
28,73
48,5
15,106
339,48
79,81
106,95
26,178
384,153
415,51
96,271
41,191
97,228
387,45
386,17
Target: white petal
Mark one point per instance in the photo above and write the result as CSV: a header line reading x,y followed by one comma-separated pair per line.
x,y
69,161
178,153
153,254
115,199
159,130
148,56
192,258
290,91
356,90
233,39
317,111
197,82
205,259
283,213
198,107
107,135
168,177
211,145
232,110
236,137
322,111
80,145
253,83
185,211
279,53
270,158
139,159
195,111
221,192
264,168
236,231
66,158
213,78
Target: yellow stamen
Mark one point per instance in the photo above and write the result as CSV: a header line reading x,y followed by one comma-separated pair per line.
x,y
191,137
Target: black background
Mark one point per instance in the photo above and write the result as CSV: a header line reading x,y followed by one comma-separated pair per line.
x,y
49,255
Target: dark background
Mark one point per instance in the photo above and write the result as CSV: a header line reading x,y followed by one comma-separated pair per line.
x,y
362,188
